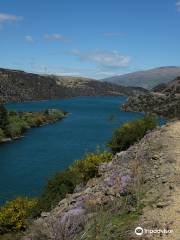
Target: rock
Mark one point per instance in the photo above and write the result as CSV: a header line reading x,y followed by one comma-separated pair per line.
x,y
92,182
120,154
111,191
171,187
45,214
163,180
162,204
79,188
155,157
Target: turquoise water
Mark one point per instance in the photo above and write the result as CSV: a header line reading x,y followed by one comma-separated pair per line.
x,y
26,164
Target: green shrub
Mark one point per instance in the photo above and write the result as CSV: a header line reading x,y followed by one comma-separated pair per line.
x,y
65,182
130,133
16,127
3,116
14,124
55,190
13,215
2,135
29,118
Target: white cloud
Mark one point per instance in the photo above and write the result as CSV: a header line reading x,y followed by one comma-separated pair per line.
x,y
178,6
9,18
106,59
29,39
55,37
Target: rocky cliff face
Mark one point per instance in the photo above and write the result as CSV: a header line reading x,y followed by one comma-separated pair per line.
x,y
18,86
150,167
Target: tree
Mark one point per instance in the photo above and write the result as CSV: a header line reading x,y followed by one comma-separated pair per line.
x,y
3,116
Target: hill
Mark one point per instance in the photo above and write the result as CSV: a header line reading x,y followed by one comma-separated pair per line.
x,y
18,86
161,104
164,100
147,79
172,87
135,189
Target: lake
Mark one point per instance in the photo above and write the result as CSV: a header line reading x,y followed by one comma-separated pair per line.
x,y
27,163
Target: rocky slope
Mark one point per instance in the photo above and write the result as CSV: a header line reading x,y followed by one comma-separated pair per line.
x,y
172,87
159,88
18,86
160,104
145,175
147,79
164,100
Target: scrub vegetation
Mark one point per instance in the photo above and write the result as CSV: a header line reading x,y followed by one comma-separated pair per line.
x,y
14,124
14,214
131,132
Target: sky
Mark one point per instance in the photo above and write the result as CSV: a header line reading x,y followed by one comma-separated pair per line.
x,y
92,38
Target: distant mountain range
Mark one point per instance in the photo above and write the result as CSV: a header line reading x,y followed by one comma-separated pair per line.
x,y
147,79
19,86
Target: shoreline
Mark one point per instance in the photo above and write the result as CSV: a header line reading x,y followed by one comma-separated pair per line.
x,y
11,139
54,99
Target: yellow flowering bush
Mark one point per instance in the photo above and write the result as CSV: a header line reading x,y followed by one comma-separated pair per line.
x,y
87,167
14,214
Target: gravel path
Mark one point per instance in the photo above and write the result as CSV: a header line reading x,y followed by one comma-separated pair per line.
x,y
163,211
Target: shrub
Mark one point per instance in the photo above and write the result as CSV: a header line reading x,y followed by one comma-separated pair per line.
x,y
14,213
2,135
16,126
88,167
55,190
29,118
130,133
3,116
65,182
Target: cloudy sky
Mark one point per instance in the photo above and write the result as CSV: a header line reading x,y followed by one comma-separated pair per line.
x,y
94,38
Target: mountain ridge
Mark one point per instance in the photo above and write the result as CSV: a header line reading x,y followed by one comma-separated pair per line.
x,y
147,78
19,86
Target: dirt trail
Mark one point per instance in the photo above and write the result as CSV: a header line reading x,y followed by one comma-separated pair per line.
x,y
163,211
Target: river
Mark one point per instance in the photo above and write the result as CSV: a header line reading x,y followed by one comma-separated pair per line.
x,y
27,163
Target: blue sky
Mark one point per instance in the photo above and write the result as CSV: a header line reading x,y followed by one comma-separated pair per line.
x,y
93,38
